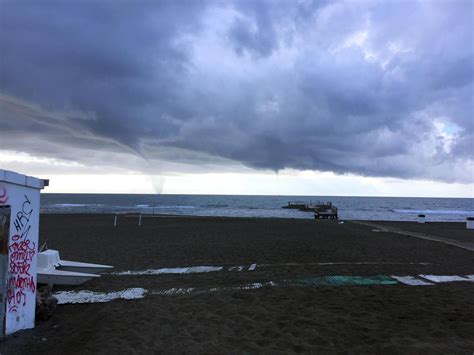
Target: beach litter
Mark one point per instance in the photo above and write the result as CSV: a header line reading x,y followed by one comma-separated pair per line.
x,y
344,280
45,303
84,296
412,281
441,279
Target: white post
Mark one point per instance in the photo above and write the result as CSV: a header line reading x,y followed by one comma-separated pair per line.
x,y
470,222
20,195
115,221
140,220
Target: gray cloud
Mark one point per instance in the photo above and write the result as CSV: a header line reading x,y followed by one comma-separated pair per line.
x,y
377,89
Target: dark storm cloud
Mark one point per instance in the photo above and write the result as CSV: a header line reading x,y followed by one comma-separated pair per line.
x,y
378,89
112,59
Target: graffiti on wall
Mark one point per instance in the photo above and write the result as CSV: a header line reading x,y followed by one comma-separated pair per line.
x,y
4,236
3,195
4,221
21,251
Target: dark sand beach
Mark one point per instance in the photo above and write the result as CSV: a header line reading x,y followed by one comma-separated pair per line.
x,y
317,318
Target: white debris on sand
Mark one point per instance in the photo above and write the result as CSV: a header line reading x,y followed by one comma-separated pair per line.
x,y
412,281
174,291
440,278
84,296
176,270
184,291
67,297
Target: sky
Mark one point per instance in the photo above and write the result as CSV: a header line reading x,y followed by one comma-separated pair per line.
x,y
296,97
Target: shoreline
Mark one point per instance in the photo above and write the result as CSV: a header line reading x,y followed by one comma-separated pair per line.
x,y
161,215
357,208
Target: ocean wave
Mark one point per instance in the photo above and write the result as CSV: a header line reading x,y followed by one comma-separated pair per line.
x,y
259,206
157,207
65,205
463,212
174,207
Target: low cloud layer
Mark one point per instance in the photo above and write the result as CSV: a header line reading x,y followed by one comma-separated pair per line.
x,y
370,88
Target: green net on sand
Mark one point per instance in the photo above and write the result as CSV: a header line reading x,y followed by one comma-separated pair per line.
x,y
344,280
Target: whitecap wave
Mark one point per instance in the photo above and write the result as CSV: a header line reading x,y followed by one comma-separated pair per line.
x,y
174,207
65,205
455,212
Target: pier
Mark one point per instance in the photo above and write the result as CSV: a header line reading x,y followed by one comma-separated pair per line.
x,y
322,210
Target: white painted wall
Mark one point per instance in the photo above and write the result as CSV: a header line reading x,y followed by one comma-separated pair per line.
x,y
24,202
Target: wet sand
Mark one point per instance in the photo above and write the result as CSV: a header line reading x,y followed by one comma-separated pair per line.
x,y
394,318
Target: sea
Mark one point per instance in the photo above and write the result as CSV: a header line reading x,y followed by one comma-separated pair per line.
x,y
349,208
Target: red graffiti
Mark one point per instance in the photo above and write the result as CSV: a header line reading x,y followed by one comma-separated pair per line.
x,y
20,281
21,251
14,299
3,196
